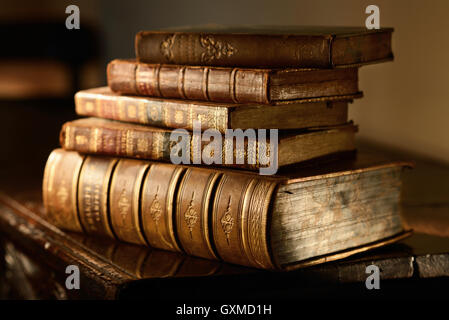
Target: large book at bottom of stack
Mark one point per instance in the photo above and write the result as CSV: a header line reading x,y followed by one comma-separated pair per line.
x,y
282,222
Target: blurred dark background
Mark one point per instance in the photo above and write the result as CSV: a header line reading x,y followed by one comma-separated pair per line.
x,y
42,64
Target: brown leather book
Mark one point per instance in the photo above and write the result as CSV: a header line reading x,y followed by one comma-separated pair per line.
x,y
114,138
268,47
233,85
168,113
308,216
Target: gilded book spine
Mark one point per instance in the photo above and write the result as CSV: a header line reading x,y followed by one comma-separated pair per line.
x,y
124,200
153,112
232,85
93,186
60,187
192,214
241,50
240,220
202,212
116,141
158,205
103,137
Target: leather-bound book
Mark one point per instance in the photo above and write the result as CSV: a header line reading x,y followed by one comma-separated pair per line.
x,y
114,138
232,85
271,47
170,113
306,216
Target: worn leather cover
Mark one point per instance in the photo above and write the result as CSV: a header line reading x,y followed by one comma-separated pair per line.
x,y
233,85
171,113
113,138
218,214
273,47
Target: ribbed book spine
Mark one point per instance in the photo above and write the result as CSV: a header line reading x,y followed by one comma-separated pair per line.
x,y
203,212
232,85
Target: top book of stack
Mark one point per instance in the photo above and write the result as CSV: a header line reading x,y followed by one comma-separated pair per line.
x,y
279,47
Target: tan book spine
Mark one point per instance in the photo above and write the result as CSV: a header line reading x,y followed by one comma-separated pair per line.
x,y
93,188
193,209
158,205
115,139
124,200
233,85
230,85
240,220
112,138
169,113
60,187
158,113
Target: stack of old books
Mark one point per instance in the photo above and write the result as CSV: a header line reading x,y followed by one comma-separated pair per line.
x,y
242,149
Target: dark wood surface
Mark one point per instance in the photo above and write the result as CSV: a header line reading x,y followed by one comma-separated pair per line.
x,y
35,255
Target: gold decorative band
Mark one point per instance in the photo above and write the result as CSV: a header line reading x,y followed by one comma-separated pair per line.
x,y
181,76
205,83
232,85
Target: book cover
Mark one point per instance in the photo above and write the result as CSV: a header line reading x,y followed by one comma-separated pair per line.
x,y
171,113
260,47
232,85
113,138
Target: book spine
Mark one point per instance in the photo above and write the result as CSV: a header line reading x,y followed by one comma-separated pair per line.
x,y
60,187
144,143
203,212
121,142
234,50
124,201
192,212
93,184
240,219
158,205
158,113
231,85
